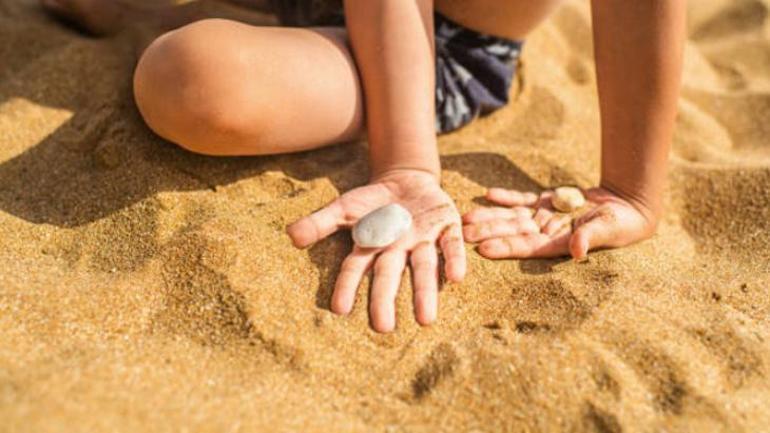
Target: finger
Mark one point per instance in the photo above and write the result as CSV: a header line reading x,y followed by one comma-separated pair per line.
x,y
496,213
453,248
542,216
595,231
556,223
544,201
525,246
489,213
511,197
353,269
424,260
387,277
499,228
524,212
317,225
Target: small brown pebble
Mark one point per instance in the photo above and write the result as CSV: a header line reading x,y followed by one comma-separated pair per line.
x,y
567,199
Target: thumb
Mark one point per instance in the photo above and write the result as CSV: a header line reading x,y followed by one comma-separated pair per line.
x,y
318,225
598,230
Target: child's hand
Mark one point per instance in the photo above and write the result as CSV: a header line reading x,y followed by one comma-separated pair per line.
x,y
529,226
436,220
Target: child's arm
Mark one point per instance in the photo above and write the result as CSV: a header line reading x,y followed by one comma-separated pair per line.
x,y
638,50
392,43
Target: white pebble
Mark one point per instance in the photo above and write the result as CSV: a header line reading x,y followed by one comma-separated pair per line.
x,y
382,227
567,199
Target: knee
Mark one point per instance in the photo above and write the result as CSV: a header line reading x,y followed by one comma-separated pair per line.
x,y
189,88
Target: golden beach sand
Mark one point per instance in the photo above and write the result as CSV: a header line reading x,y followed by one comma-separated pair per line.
x,y
143,288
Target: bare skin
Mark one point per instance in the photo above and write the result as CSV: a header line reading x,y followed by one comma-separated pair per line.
x,y
436,227
513,20
198,98
637,96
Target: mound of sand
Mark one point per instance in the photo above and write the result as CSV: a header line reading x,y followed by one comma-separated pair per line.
x,y
144,288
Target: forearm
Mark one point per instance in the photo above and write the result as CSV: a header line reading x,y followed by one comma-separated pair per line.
x,y
392,43
638,50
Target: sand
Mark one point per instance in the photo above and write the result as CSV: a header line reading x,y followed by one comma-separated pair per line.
x,y
143,288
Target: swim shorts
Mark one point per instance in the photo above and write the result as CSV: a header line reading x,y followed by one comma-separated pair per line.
x,y
474,71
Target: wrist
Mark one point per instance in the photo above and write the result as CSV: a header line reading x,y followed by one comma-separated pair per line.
x,y
649,204
421,156
399,171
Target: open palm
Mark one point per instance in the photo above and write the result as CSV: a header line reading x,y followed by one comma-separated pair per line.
x,y
436,225
529,227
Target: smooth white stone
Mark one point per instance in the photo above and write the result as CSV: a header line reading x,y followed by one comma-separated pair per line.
x,y
567,199
382,227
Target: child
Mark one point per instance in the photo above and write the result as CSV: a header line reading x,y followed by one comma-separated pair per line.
x,y
414,67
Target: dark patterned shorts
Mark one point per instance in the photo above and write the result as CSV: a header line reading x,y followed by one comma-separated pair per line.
x,y
474,71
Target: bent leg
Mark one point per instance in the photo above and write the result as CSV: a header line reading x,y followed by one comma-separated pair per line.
x,y
513,19
220,87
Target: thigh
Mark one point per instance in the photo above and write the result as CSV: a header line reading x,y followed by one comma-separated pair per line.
x,y
310,90
513,19
228,88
